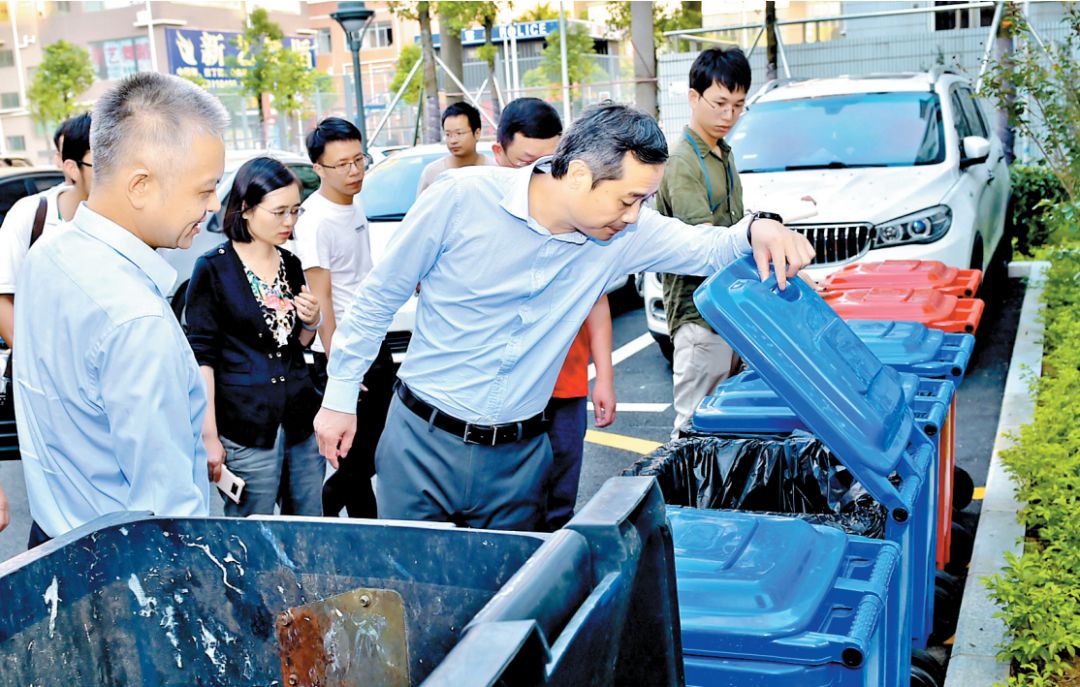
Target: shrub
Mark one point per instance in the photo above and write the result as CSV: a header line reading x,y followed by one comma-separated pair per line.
x,y
1039,593
1034,188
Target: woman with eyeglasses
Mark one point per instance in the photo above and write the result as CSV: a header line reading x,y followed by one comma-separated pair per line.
x,y
249,317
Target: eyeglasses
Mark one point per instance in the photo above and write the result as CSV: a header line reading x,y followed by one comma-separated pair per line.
x,y
359,163
84,164
729,109
282,213
460,133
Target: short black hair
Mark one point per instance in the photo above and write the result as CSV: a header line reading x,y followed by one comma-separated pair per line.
x,y
464,109
530,117
254,180
329,130
603,135
725,66
76,137
57,134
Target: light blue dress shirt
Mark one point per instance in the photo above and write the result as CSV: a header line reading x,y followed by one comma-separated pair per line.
x,y
501,297
109,401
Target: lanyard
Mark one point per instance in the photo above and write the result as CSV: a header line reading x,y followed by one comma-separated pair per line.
x,y
708,183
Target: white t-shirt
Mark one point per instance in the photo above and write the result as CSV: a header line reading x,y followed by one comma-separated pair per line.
x,y
434,169
335,237
16,230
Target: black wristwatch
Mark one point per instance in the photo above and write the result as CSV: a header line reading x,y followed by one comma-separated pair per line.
x,y
761,215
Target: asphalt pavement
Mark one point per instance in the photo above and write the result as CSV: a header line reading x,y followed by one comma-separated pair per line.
x,y
645,415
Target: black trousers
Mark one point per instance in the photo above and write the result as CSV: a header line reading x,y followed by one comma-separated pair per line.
x,y
37,536
350,487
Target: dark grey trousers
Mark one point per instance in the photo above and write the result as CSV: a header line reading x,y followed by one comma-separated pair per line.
x,y
425,473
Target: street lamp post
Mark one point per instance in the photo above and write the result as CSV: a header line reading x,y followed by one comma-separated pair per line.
x,y
354,18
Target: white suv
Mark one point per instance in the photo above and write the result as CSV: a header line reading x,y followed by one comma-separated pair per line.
x,y
902,166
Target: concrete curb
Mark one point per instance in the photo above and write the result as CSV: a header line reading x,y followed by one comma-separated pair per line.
x,y
978,632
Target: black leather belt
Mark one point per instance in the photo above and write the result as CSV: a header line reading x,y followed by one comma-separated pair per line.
x,y
484,435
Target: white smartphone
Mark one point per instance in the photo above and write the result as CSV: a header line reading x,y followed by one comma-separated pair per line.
x,y
230,485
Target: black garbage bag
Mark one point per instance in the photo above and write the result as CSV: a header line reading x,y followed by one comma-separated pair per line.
x,y
792,475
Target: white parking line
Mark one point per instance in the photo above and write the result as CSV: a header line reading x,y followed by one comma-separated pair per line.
x,y
638,407
623,352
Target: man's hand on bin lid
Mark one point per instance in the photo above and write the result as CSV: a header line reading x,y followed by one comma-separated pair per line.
x,y
787,250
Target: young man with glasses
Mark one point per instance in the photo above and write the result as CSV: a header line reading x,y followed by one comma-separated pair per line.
x,y
701,186
461,129
333,244
43,212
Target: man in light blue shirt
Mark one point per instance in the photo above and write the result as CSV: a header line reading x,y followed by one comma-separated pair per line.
x,y
510,262
109,400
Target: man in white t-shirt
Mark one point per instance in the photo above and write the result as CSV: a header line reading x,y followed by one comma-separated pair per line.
x,y
61,201
461,129
332,241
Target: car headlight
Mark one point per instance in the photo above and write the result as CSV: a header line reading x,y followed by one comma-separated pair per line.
x,y
924,226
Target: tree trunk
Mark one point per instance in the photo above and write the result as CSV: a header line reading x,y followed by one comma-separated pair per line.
x,y
432,125
451,52
641,38
489,29
1003,49
262,121
770,40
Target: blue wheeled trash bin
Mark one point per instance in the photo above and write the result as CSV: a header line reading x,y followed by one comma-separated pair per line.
x,y
772,602
133,599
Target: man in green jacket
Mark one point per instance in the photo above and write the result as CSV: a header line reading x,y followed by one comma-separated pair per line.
x,y
701,186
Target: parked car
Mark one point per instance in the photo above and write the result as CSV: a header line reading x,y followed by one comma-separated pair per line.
x,y
19,182
902,166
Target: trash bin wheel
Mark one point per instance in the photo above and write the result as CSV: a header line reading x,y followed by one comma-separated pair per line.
x,y
963,489
948,591
926,670
963,541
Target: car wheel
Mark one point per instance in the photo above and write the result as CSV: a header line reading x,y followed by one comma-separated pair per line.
x,y
977,253
664,342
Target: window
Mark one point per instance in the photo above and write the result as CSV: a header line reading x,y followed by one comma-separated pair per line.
x,y
840,131
379,35
16,143
119,58
963,126
7,58
323,43
9,101
947,20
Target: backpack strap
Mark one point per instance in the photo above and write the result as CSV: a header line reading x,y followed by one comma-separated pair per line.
x,y
39,221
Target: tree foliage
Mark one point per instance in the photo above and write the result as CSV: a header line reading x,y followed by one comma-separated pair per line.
x,y
581,67
409,56
686,16
1036,87
540,12
65,73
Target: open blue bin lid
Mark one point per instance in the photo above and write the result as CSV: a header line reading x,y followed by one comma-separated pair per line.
x,y
745,404
825,373
763,587
913,347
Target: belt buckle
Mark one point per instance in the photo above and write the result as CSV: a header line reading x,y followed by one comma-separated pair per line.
x,y
469,440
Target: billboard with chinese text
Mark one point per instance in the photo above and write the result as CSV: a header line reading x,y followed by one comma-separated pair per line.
x,y
219,56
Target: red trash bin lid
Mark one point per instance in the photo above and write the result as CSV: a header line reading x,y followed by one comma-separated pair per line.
x,y
908,274
932,308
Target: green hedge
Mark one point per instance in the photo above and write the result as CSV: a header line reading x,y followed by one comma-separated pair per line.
x,y
1039,593
1034,189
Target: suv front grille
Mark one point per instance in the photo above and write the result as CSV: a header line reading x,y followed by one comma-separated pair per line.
x,y
836,244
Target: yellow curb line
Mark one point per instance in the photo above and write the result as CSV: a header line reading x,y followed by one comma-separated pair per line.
x,y
620,441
